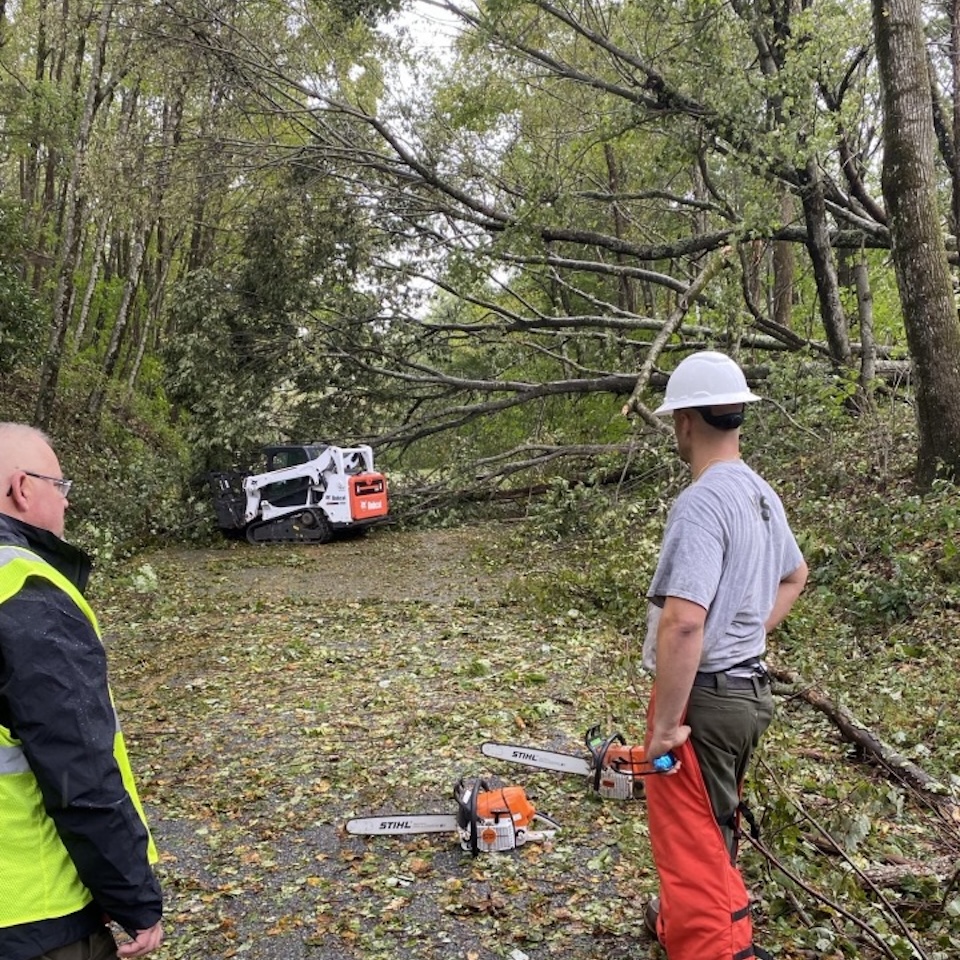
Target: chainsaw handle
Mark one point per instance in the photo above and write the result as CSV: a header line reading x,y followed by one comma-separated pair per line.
x,y
593,737
600,753
599,747
467,810
552,824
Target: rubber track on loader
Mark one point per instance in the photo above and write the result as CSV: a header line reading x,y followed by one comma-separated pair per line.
x,y
309,526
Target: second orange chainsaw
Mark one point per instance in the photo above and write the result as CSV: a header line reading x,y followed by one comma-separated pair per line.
x,y
617,771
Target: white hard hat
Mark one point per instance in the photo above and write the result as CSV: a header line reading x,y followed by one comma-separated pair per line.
x,y
706,379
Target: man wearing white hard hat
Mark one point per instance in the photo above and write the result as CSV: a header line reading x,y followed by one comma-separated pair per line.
x,y
729,571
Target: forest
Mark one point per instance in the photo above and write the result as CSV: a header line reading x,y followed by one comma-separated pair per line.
x,y
260,220
478,237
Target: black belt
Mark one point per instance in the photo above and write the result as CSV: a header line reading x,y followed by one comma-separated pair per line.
x,y
721,679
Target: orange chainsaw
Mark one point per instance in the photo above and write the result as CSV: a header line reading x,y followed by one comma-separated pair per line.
x,y
488,819
617,771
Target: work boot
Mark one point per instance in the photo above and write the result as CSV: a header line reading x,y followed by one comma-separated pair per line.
x,y
651,914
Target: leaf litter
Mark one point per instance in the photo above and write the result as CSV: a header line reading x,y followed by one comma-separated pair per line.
x,y
270,694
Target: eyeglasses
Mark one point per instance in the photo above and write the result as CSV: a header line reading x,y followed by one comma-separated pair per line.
x,y
62,485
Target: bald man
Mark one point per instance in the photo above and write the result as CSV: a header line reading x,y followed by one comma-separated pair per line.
x,y
75,850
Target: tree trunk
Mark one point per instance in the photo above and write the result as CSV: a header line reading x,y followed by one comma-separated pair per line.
x,y
91,286
50,372
868,345
905,873
141,348
784,268
824,271
30,164
626,296
919,253
953,9
77,258
132,283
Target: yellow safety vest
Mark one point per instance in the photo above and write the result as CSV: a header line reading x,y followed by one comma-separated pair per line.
x,y
38,880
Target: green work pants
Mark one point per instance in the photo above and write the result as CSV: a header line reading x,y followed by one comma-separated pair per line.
x,y
726,725
99,946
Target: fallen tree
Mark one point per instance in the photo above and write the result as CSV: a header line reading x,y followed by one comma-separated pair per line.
x,y
870,745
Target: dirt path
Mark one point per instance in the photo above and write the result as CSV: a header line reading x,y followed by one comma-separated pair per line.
x,y
269,694
434,566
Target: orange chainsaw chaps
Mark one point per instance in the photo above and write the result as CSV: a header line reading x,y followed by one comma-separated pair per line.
x,y
505,802
704,905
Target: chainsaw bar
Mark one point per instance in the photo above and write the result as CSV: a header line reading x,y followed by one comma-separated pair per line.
x,y
488,819
396,824
617,770
541,759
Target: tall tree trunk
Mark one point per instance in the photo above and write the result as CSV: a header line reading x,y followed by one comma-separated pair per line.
x,y
77,258
627,298
91,285
150,323
868,345
753,254
919,254
132,283
30,164
50,371
140,348
953,9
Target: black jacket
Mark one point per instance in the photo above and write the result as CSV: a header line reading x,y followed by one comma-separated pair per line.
x,y
54,699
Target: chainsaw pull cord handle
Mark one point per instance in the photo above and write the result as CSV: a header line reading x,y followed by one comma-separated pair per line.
x,y
600,753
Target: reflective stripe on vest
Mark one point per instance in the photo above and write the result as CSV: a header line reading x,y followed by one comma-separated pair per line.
x,y
38,880
12,760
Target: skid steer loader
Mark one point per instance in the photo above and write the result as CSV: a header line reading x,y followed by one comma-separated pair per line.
x,y
307,493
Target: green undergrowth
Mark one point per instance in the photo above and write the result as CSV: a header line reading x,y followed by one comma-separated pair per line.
x,y
874,637
129,465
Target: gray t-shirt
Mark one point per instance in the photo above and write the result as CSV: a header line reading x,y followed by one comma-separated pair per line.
x,y
726,546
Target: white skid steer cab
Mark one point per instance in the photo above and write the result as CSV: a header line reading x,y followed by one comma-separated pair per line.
x,y
307,494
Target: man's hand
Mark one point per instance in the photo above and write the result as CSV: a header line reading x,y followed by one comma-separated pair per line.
x,y
146,941
658,743
787,593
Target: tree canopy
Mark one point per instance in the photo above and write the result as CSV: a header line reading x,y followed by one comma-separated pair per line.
x,y
296,220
